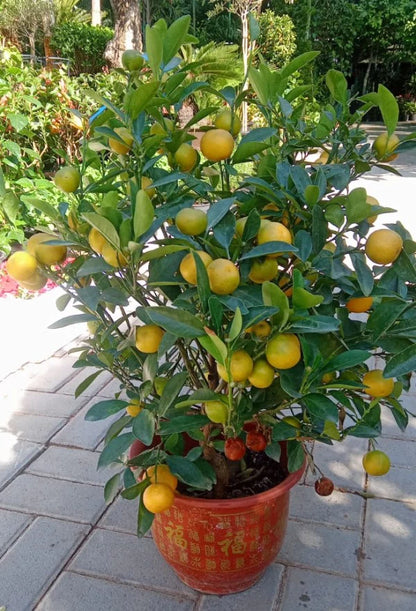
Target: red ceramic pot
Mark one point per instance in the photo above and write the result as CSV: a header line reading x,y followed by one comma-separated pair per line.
x,y
224,546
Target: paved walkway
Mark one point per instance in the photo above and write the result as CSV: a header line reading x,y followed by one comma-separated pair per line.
x,y
62,549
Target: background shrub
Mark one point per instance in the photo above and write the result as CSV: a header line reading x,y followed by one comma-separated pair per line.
x,y
83,44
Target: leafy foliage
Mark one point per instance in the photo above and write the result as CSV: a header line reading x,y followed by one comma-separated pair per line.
x,y
82,44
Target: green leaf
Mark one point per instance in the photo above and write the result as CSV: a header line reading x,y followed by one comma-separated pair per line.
x,y
356,206
144,426
144,519
115,296
154,49
143,214
104,226
247,150
111,488
274,451
104,409
274,296
304,300
174,37
199,396
18,121
182,424
346,360
364,275
295,455
94,265
188,472
62,302
171,391
177,322
133,491
320,407
115,449
389,108
42,206
298,63
11,205
86,383
71,320
215,346
401,363
315,324
236,325
384,316
137,99
337,85
269,248
218,210
204,291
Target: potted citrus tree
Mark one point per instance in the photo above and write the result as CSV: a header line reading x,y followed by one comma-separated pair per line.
x,y
237,292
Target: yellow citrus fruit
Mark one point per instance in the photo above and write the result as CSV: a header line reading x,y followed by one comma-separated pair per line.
x,y
359,304
122,148
148,338
262,375
161,474
35,282
261,271
134,408
376,463
158,498
284,281
96,240
272,231
241,366
328,377
132,60
188,265
239,226
372,201
262,329
383,246
186,157
146,185
376,385
21,266
384,146
112,256
223,276
217,144
283,351
191,221
228,121
67,179
216,411
48,254
161,130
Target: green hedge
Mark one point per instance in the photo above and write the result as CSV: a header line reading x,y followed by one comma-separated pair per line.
x,y
83,44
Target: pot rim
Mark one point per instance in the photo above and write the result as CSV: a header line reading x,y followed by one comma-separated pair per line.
x,y
243,501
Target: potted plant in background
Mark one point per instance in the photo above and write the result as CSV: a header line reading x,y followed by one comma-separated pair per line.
x,y
221,288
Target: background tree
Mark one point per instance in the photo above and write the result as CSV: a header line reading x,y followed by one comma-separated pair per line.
x,y
127,30
95,12
277,40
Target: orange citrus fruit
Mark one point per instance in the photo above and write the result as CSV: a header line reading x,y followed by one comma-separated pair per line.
x,y
385,145
187,266
358,305
21,266
262,329
216,411
146,183
217,144
122,148
383,246
262,375
271,231
283,351
48,254
134,408
241,366
261,271
376,463
112,256
161,474
223,276
158,498
186,157
35,282
228,121
191,221
148,338
376,385
96,240
67,179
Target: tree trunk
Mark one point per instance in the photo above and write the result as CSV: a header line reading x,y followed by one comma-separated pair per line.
x,y
127,30
148,12
95,12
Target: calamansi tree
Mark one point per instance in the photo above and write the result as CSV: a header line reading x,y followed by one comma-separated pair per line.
x,y
236,288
